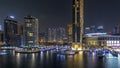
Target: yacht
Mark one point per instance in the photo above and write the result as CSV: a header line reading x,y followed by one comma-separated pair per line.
x,y
70,52
100,54
114,53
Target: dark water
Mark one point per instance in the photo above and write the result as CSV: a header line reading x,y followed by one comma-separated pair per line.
x,y
51,60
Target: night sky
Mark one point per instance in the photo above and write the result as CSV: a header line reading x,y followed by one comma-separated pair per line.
x,y
58,13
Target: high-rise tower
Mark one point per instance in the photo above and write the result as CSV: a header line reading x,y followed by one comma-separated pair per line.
x,y
30,31
69,33
78,21
10,31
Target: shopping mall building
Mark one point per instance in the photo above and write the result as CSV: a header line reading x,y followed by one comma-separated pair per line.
x,y
103,40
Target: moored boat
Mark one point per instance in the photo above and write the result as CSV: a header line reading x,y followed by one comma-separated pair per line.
x,y
114,53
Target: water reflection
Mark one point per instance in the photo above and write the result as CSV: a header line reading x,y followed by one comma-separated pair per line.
x,y
62,57
93,57
118,60
47,55
18,60
33,61
41,59
50,60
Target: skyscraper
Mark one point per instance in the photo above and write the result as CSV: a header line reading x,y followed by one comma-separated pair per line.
x,y
78,21
61,34
69,33
1,37
20,34
30,31
10,31
52,35
56,34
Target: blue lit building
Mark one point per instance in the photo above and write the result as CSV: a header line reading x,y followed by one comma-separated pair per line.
x,y
10,31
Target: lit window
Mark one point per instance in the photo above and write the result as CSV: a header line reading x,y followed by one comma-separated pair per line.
x,y
117,44
107,42
110,42
114,41
28,24
117,41
30,41
27,20
30,34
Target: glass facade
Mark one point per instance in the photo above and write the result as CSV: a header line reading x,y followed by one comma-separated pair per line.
x,y
111,40
30,31
10,31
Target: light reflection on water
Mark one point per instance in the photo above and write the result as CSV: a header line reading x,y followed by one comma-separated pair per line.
x,y
33,60
112,61
49,59
18,60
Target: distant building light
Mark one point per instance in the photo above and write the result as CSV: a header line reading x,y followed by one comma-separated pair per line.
x,y
30,41
100,27
0,27
87,28
12,17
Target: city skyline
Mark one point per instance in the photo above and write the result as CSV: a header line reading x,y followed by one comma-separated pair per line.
x,y
59,13
60,34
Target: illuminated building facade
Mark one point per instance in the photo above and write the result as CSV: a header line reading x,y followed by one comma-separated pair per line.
x,y
69,33
110,40
78,21
42,38
19,36
1,38
61,34
30,31
91,39
51,35
94,29
10,31
103,40
56,34
20,28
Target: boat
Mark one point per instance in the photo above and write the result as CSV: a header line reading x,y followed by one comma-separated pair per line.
x,y
55,51
70,52
100,54
21,50
114,53
3,53
90,51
